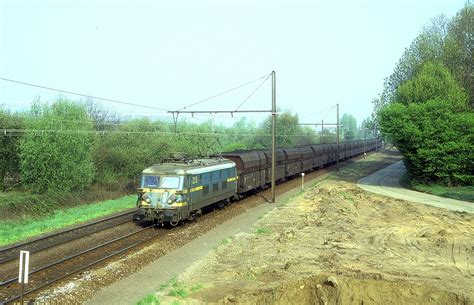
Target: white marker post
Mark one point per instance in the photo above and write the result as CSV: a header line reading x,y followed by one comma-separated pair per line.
x,y
302,181
24,270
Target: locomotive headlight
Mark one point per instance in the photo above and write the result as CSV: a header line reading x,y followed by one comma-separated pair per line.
x,y
175,199
172,199
146,198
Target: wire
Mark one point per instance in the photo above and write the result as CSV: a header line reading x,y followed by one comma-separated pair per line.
x,y
4,131
222,93
80,94
248,97
326,112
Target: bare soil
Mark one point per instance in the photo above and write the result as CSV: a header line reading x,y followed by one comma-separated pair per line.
x,y
83,286
338,244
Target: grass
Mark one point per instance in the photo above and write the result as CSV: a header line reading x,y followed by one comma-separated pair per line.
x,y
262,230
178,289
181,292
21,204
224,242
290,198
150,299
196,287
347,196
19,229
465,193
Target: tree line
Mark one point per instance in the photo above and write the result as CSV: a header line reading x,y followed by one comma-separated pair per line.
x,y
67,146
426,106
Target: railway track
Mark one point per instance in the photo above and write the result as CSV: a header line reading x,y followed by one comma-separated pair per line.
x,y
51,240
60,269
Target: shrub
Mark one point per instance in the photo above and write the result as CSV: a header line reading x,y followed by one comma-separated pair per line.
x,y
433,127
56,152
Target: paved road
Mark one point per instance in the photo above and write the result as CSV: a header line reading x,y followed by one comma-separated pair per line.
x,y
386,182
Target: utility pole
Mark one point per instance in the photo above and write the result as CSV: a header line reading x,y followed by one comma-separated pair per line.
x,y
273,133
322,131
337,136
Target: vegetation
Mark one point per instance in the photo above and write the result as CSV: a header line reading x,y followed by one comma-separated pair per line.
x,y
57,160
19,229
350,129
465,193
78,150
9,149
262,230
426,107
176,288
150,299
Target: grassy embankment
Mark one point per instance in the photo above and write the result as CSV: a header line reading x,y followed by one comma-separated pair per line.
x,y
465,193
17,229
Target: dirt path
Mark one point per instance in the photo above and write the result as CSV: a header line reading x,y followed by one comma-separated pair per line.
x,y
337,244
386,182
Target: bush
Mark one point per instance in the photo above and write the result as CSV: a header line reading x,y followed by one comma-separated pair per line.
x,y
433,127
56,152
9,148
127,151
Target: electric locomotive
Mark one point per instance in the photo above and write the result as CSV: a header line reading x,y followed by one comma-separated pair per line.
x,y
174,191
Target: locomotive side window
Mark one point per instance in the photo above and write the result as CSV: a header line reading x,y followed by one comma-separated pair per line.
x,y
195,180
206,178
224,174
215,176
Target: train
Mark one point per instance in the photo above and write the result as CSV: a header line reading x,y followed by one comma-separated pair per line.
x,y
179,190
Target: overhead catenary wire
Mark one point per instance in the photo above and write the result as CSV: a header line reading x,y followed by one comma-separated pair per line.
x,y
4,131
325,112
81,94
222,93
253,92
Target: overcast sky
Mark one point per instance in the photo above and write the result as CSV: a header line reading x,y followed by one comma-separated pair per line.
x,y
172,54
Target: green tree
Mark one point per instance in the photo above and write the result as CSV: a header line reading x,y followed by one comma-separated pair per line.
x,y
427,46
349,124
129,149
56,150
288,131
444,41
433,127
458,51
9,147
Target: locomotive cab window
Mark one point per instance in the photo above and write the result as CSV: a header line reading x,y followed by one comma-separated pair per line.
x,y
162,182
150,181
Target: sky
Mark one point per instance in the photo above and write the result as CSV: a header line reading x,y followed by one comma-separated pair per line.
x,y
171,54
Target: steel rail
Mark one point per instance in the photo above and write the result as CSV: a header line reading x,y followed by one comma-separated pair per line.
x,y
81,268
66,241
76,255
63,232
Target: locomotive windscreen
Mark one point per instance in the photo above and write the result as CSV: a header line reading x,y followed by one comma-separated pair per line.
x,y
163,182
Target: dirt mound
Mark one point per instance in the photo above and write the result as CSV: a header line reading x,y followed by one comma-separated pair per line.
x,y
378,251
329,290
